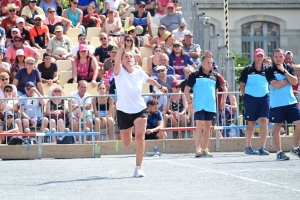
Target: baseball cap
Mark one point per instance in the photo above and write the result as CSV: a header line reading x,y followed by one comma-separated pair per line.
x,y
38,16
20,19
162,26
58,28
288,53
8,113
114,49
83,47
18,36
259,51
177,42
29,84
8,85
170,5
142,3
175,83
81,35
20,52
188,34
15,30
182,24
159,67
46,54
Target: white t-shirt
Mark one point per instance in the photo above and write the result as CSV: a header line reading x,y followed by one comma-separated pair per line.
x,y
75,101
90,47
179,35
113,4
129,90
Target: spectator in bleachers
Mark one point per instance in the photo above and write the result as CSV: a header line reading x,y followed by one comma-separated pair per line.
x,y
31,109
91,19
83,5
39,34
80,110
161,8
2,33
18,64
82,40
163,78
8,125
18,43
75,15
5,11
53,20
267,61
101,52
177,8
179,59
154,122
129,47
10,21
149,5
180,32
60,46
194,50
114,5
48,70
2,63
16,31
55,4
2,37
158,40
186,71
178,105
289,58
23,32
28,74
172,19
142,18
57,109
138,41
109,62
113,25
169,41
164,62
153,60
28,13
103,108
84,67
4,81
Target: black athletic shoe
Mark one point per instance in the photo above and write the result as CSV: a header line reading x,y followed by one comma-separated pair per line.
x,y
282,157
295,152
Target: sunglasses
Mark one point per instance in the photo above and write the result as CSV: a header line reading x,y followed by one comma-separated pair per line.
x,y
9,117
177,87
170,8
158,71
12,10
32,1
29,63
133,31
53,11
75,3
157,50
176,45
57,91
37,20
17,40
47,58
8,90
141,6
128,40
4,79
102,38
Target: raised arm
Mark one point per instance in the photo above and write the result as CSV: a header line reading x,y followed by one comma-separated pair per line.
x,y
118,64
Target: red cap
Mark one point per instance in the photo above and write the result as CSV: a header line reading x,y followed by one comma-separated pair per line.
x,y
170,5
259,51
83,47
175,83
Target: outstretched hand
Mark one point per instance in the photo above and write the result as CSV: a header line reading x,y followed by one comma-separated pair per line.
x,y
164,89
120,42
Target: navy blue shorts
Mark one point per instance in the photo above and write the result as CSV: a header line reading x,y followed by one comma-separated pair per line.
x,y
256,107
290,113
204,115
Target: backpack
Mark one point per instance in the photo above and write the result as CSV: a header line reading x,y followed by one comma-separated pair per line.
x,y
66,140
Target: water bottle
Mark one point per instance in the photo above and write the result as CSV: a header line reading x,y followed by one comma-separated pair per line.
x,y
157,154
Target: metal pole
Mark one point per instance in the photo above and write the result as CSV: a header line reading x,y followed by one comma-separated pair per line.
x,y
226,25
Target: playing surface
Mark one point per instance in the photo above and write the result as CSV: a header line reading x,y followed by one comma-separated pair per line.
x,y
226,176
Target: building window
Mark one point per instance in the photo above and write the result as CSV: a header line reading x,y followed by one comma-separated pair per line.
x,y
263,35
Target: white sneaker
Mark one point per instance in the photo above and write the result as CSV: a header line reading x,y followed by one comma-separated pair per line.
x,y
138,172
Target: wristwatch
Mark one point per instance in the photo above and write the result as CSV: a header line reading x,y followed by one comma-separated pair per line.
x,y
284,71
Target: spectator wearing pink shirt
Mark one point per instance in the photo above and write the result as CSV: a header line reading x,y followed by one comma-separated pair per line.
x,y
161,9
18,41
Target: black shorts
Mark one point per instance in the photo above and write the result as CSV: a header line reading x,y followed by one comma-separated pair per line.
x,y
126,121
151,136
205,116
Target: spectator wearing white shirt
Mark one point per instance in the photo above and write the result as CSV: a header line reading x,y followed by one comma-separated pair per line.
x,y
82,40
181,31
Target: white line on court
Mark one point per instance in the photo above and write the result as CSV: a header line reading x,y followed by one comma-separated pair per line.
x,y
227,174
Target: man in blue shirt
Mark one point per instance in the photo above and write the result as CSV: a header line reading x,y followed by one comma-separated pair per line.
x,y
204,83
254,88
154,121
283,104
150,5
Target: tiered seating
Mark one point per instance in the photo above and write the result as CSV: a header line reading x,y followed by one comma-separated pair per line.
x,y
64,77
146,52
95,42
41,52
92,32
74,32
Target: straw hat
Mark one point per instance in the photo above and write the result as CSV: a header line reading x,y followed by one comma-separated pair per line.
x,y
11,6
53,87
